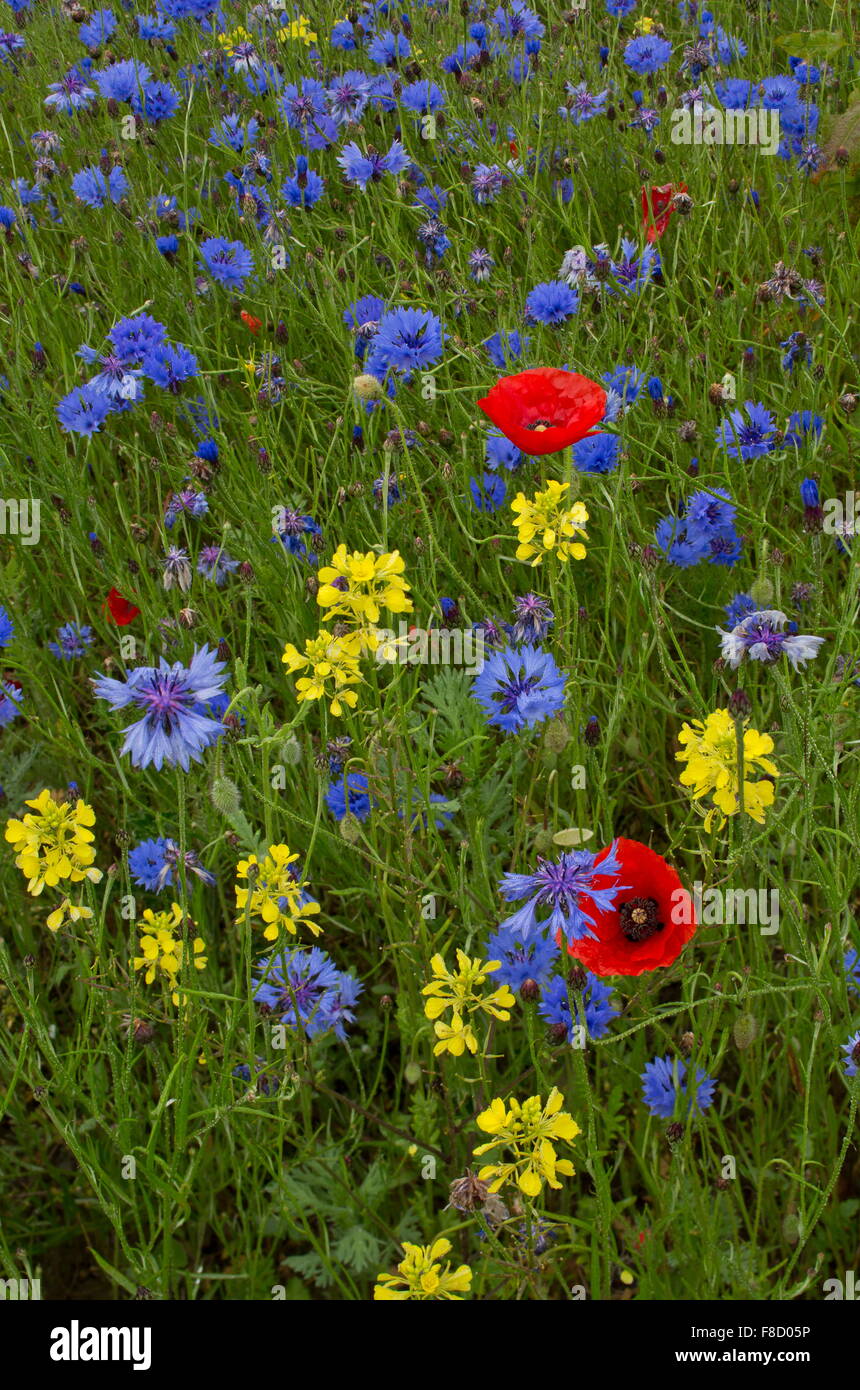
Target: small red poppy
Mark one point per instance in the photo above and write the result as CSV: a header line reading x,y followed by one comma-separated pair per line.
x,y
121,610
657,207
544,409
252,324
649,925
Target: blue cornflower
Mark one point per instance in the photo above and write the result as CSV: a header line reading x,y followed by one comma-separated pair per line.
x,y
709,512
11,696
780,93
851,966
228,262
748,438
154,28
168,366
406,340
797,347
505,348
803,424
352,799
625,382
559,1005
388,48
423,97
679,548
489,493
116,379
152,864
72,641
735,93
167,245
214,563
84,410
633,272
70,94
93,188
157,102
761,637
501,453
347,97
551,302
235,135
851,1048
533,618
7,628
664,1080
740,607
432,236
488,180
305,187
647,53
169,731
620,8
520,960
518,21
305,990
596,453
366,168
418,816
136,337
519,687
186,502
567,886
481,265
581,104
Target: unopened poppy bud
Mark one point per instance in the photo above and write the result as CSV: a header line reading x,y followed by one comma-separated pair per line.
x,y
142,1032
745,1030
683,203
557,736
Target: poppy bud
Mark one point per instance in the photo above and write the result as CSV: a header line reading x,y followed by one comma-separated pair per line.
x,y
745,1031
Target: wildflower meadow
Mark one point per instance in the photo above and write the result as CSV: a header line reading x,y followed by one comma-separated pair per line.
x,y
430,678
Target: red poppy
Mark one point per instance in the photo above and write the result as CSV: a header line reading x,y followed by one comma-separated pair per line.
x,y
657,207
650,923
545,409
252,324
121,610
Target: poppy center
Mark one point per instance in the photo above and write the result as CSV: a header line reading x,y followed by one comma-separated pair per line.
x,y
540,425
639,918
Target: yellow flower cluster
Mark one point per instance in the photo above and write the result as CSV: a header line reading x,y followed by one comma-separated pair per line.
x,y
421,1276
710,750
163,947
461,991
548,524
53,844
297,29
277,893
353,590
528,1130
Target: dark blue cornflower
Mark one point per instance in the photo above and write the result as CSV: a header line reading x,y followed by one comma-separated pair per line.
x,y
569,886
228,262
388,48
432,236
169,730
153,865
158,101
418,818
305,187
305,990
663,1081
709,512
84,411
93,188
501,453
423,97
235,135
851,966
620,8
581,104
517,21
488,180
169,366
347,97
624,382
519,687
803,427
741,606
72,642
488,493
647,53
551,302
186,502
779,93
134,338
350,796
10,45
7,628
735,94
597,453
798,347
559,1005
748,438
851,1048
406,340
533,618
520,960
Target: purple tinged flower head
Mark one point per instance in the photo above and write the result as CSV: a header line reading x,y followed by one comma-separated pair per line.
x,y
347,97
70,94
664,1080
566,886
169,730
748,438
72,642
11,696
532,619
761,637
305,990
851,966
368,168
519,687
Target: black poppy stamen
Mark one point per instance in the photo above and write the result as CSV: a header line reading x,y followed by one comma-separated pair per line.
x,y
540,425
639,918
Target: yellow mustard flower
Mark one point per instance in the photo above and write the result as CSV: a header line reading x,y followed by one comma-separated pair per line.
x,y
358,586
421,1276
645,25
163,946
710,750
463,992
55,843
277,893
333,663
528,1131
67,912
297,29
548,524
